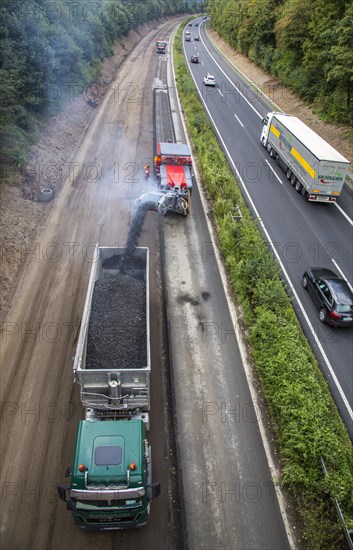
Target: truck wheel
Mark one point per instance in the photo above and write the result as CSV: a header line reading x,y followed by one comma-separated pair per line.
x,y
293,180
322,315
273,154
298,186
288,174
303,191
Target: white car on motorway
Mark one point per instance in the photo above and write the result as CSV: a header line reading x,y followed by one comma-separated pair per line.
x,y
209,80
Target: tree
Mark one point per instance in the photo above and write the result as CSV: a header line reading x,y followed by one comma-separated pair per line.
x,y
339,67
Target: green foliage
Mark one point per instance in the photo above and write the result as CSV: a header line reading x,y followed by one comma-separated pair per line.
x,y
50,50
308,44
306,421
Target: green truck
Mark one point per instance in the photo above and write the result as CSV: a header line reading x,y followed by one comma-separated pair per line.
x,y
111,477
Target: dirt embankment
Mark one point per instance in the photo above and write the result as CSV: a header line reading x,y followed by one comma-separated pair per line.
x,y
49,163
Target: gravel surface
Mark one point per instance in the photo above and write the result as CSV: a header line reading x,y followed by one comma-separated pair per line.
x,y
117,329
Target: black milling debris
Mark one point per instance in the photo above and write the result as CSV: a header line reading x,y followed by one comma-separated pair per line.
x,y
117,328
135,227
117,331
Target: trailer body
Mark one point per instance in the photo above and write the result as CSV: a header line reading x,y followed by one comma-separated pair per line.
x,y
312,166
115,391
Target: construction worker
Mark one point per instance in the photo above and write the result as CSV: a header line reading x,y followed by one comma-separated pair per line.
x,y
157,163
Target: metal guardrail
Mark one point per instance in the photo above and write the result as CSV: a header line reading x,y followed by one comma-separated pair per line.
x,y
347,532
349,179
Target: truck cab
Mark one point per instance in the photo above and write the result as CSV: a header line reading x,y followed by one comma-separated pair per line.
x,y
266,123
111,480
174,166
161,46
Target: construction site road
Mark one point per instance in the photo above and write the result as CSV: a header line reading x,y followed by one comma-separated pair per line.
x,y
40,405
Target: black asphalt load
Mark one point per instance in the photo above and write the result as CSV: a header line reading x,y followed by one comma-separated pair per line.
x,y
117,330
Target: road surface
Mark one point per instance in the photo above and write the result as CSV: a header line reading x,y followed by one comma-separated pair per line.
x,y
301,233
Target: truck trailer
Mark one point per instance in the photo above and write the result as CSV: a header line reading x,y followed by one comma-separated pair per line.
x,y
111,477
312,166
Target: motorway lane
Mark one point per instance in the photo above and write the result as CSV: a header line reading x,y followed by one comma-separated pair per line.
x,y
302,233
230,500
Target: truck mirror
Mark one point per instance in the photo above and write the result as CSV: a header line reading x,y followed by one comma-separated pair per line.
x,y
153,491
68,471
264,121
70,505
62,492
156,489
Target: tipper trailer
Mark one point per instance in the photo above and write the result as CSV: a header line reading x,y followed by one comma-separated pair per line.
x,y
311,165
111,478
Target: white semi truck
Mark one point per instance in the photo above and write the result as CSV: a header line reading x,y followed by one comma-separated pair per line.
x,y
312,166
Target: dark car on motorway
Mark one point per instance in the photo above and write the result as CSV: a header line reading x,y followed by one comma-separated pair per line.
x,y
331,294
197,38
194,59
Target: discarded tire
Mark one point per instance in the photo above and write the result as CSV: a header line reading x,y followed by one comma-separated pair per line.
x,y
46,194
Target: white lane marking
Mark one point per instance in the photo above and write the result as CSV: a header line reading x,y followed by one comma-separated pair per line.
x,y
202,63
343,213
218,90
238,119
277,176
342,274
232,83
305,315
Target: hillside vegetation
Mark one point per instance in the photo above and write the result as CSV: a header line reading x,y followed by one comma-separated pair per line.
x,y
49,52
308,44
